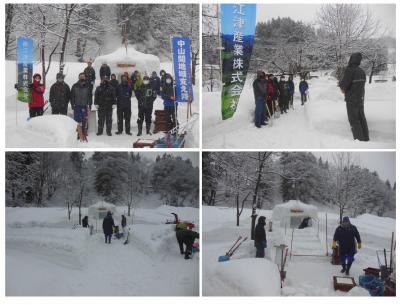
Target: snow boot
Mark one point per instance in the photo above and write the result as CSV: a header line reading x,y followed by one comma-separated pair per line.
x,y
109,133
348,268
118,132
343,268
129,133
148,129
139,130
99,133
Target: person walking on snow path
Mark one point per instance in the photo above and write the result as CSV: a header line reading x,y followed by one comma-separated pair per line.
x,y
346,235
81,100
104,99
353,87
260,93
303,88
260,238
60,95
108,225
187,238
124,112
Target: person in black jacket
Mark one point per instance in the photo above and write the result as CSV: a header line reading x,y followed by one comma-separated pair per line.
x,y
186,237
108,225
146,98
353,87
85,222
60,95
114,82
123,223
105,71
346,235
124,95
104,100
155,82
260,93
284,95
90,77
260,238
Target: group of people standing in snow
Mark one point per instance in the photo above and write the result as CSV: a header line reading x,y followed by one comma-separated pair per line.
x,y
273,96
109,227
346,239
110,94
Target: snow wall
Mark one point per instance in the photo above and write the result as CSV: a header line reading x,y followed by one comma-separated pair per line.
x,y
99,210
292,213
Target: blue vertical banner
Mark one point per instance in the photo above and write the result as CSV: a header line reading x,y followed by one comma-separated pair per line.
x,y
238,26
24,68
182,64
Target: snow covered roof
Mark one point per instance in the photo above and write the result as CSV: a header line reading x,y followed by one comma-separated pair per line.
x,y
293,208
122,60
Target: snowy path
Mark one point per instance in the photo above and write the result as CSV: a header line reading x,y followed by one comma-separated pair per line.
x,y
321,123
71,262
306,275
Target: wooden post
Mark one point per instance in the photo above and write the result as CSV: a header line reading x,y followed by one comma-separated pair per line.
x,y
326,233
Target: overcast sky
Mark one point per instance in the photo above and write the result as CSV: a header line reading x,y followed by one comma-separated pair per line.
x,y
384,13
382,162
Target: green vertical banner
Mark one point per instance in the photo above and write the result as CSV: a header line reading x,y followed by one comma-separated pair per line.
x,y
24,68
238,25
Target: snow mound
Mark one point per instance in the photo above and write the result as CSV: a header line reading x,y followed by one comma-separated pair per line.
x,y
53,130
248,276
358,292
128,60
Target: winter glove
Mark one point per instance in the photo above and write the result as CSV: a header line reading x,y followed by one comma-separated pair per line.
x,y
359,245
264,244
334,244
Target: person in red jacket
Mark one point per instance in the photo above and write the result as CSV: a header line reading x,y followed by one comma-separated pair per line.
x,y
270,96
37,103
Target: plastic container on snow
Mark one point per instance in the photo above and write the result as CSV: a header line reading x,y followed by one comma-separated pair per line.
x,y
373,284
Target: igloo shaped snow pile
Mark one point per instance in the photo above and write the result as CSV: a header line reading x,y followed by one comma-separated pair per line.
x,y
128,60
292,213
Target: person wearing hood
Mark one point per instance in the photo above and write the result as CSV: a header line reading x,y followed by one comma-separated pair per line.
x,y
187,238
346,236
169,98
108,225
105,71
353,87
124,112
260,94
155,82
163,75
303,87
81,100
104,100
260,238
147,96
60,95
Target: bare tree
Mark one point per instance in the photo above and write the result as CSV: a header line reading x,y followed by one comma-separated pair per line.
x,y
344,27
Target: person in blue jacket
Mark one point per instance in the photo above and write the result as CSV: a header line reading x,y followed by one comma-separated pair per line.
x,y
346,236
303,87
124,112
260,239
170,104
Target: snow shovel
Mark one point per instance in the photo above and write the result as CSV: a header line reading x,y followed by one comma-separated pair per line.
x,y
235,246
127,237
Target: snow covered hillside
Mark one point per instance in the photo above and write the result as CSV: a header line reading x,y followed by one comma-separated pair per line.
x,y
46,256
245,275
321,123
59,132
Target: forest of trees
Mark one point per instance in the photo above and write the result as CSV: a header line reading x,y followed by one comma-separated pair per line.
x,y
78,32
282,45
39,179
342,184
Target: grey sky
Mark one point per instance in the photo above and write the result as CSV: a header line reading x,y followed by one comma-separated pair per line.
x,y
384,13
382,162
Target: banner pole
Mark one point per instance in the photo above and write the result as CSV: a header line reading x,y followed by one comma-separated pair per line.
x,y
173,72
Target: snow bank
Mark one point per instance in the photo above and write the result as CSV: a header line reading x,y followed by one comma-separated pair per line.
x,y
251,276
128,60
358,292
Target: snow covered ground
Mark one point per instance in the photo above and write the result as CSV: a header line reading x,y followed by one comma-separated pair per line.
x,y
321,123
244,275
46,256
59,132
